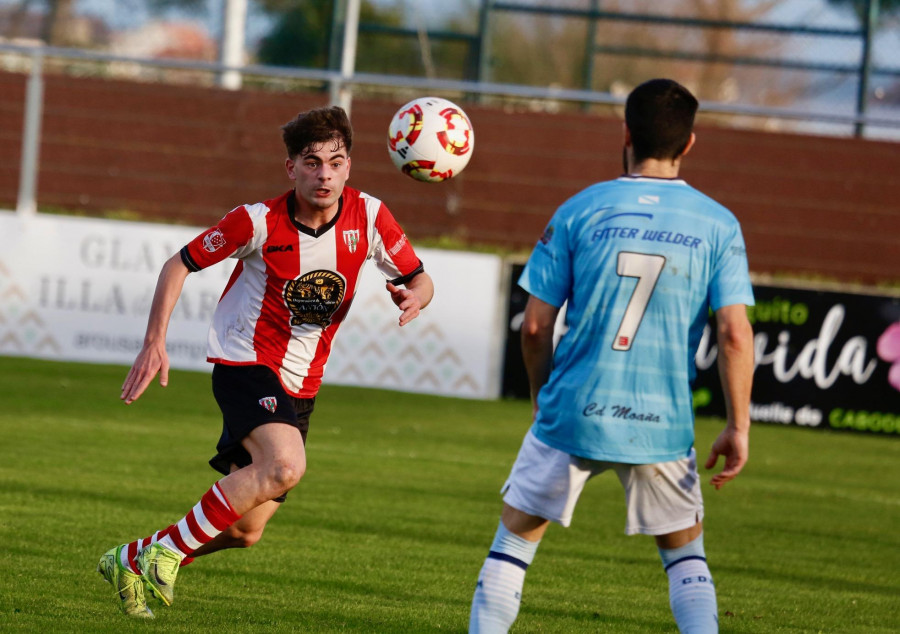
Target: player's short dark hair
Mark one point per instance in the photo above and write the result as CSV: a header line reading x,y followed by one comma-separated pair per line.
x,y
317,126
660,117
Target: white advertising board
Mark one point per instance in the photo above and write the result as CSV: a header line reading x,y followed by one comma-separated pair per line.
x,y
79,289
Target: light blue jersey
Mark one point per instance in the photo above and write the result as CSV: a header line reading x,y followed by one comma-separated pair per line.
x,y
640,262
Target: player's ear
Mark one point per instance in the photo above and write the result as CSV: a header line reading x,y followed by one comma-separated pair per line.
x,y
290,167
688,145
348,167
626,133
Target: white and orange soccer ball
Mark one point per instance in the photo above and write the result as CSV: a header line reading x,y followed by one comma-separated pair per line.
x,y
430,139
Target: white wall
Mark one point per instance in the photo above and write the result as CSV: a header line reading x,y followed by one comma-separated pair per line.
x,y
80,289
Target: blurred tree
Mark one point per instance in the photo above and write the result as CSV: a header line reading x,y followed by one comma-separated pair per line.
x,y
16,20
59,18
190,5
552,51
861,7
55,29
56,26
525,49
301,35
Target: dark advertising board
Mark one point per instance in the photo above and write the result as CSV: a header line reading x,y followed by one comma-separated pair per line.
x,y
825,360
515,380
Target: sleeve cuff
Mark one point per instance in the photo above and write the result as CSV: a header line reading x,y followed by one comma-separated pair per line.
x,y
192,266
405,279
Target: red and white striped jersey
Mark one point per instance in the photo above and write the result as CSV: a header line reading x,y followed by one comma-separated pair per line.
x,y
292,285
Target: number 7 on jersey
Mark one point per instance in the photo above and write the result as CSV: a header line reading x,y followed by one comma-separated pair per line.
x,y
646,268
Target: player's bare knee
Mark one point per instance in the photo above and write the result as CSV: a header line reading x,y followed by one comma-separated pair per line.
x,y
285,474
246,539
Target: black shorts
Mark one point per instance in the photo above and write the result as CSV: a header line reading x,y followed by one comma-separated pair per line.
x,y
250,396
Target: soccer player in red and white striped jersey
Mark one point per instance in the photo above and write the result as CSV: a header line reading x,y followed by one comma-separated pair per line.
x,y
299,261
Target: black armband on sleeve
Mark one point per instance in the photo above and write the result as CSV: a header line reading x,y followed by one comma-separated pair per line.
x,y
406,279
189,261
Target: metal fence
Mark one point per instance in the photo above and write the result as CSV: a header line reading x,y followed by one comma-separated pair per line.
x,y
808,65
813,63
857,66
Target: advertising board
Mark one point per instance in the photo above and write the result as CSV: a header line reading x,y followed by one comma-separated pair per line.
x,y
79,289
823,360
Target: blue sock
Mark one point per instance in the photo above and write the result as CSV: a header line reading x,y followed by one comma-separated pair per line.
x,y
499,590
692,595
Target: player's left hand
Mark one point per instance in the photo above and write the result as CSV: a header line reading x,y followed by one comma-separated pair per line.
x,y
406,301
733,446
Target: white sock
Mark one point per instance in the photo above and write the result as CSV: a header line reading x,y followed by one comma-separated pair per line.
x,y
692,597
499,590
497,597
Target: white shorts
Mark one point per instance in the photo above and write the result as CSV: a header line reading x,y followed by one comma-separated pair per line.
x,y
661,498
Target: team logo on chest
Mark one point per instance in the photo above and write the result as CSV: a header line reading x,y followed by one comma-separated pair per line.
x,y
312,298
351,239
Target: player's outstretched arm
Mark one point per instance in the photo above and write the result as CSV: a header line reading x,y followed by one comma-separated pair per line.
x,y
153,359
735,341
416,296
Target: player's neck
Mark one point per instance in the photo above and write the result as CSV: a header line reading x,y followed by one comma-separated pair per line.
x,y
314,217
656,168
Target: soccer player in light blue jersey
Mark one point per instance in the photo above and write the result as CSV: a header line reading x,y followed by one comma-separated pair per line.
x,y
639,261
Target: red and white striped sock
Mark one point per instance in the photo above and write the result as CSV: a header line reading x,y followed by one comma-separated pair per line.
x,y
128,554
209,517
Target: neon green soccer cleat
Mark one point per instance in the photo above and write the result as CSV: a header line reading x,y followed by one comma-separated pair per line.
x,y
129,587
159,567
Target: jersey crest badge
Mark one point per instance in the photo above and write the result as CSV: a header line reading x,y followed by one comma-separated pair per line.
x,y
313,298
269,402
213,241
351,239
547,235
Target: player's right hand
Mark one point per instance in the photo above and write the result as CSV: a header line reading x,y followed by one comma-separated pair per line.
x,y
151,360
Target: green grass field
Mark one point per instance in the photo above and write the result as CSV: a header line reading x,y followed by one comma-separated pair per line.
x,y
389,528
